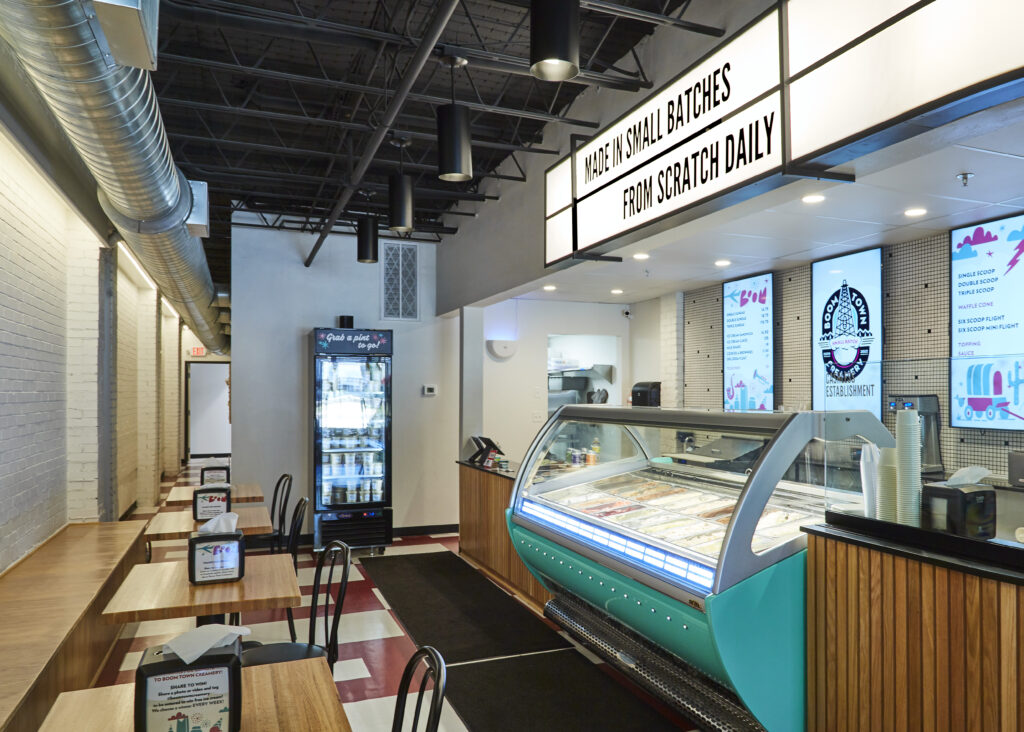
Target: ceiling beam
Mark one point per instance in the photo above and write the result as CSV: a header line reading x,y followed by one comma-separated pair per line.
x,y
309,152
621,11
338,124
442,14
263,177
256,71
295,199
301,226
294,27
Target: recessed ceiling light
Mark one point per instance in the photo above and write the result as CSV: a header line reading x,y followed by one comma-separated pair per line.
x,y
835,271
641,256
813,198
616,291
549,288
722,262
915,212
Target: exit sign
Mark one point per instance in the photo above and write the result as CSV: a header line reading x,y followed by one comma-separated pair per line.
x,y
198,351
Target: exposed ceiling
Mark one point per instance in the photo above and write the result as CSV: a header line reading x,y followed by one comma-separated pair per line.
x,y
777,230
272,102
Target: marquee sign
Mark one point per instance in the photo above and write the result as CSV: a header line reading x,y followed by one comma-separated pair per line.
x,y
715,126
732,119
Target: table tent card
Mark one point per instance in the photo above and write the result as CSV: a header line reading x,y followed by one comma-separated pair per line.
x,y
194,682
210,501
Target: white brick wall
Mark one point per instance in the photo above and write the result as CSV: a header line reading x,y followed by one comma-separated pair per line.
x,y
81,377
147,398
127,388
33,312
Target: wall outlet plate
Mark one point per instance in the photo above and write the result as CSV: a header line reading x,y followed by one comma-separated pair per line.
x,y
430,390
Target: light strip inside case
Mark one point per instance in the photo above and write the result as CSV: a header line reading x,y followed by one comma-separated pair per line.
x,y
670,567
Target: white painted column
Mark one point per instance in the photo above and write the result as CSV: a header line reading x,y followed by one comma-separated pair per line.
x,y
148,397
82,377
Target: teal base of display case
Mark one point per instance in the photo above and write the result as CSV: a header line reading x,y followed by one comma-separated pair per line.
x,y
750,639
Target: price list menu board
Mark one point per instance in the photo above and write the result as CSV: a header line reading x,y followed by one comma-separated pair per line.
x,y
986,370
748,345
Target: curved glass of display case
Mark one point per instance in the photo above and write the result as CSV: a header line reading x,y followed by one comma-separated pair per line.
x,y
688,502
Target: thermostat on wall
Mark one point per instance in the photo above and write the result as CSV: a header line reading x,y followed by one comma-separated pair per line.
x,y
430,390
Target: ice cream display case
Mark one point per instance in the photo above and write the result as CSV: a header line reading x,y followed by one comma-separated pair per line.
x,y
671,541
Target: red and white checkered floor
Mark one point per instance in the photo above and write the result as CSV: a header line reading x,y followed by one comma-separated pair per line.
x,y
373,646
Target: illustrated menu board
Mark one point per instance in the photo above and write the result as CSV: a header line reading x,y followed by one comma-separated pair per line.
x,y
987,318
748,344
846,326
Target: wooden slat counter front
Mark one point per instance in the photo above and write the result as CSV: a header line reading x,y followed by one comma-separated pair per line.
x,y
904,639
484,495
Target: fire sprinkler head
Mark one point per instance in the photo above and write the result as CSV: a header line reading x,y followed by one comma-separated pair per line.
x,y
964,178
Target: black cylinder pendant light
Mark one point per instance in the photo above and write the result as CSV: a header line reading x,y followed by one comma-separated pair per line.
x,y
400,200
366,240
454,147
554,39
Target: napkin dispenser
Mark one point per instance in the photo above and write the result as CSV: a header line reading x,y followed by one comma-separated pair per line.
x,y
1015,468
216,557
964,510
204,695
210,501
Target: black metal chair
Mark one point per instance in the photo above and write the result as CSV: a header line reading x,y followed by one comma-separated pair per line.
x,y
298,516
282,490
434,670
281,652
294,534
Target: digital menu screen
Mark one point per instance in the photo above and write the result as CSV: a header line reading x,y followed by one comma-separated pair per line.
x,y
846,327
748,354
986,369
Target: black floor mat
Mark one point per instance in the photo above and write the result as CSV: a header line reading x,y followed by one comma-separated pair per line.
x,y
560,691
445,603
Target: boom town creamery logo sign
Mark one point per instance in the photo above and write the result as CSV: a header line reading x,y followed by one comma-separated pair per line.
x,y
845,341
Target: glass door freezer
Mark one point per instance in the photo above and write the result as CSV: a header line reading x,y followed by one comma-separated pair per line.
x,y
352,437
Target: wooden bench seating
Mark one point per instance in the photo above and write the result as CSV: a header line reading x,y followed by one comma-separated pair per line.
x,y
52,637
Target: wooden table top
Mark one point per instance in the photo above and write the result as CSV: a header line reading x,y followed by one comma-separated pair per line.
x,y
45,595
179,524
161,590
181,495
296,696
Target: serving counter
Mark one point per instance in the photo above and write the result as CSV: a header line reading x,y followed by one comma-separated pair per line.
x,y
906,638
484,495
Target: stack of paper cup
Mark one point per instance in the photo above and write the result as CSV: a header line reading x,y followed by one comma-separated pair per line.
x,y
908,457
885,498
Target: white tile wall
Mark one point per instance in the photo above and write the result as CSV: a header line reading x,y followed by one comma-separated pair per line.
x,y
703,349
33,351
915,286
792,338
671,324
127,386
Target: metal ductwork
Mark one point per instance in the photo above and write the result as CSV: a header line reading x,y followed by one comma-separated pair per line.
x,y
110,114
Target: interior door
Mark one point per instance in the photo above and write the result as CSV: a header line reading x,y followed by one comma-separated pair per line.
x,y
209,428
